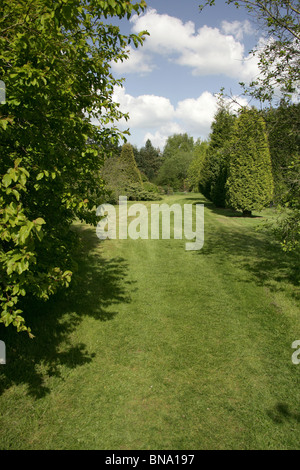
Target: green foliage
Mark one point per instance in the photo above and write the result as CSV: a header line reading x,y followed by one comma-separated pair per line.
x,y
174,170
151,187
55,61
195,169
115,178
279,59
123,178
129,165
149,160
287,227
250,182
177,157
219,153
283,124
136,192
176,143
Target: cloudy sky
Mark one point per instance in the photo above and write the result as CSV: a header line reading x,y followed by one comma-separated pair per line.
x,y
172,81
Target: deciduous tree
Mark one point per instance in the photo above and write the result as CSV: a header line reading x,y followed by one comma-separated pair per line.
x,y
55,60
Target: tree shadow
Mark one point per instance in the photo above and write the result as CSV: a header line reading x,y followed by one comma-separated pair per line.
x,y
225,212
99,285
256,252
281,413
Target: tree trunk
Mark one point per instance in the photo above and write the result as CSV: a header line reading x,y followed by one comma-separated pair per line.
x,y
247,213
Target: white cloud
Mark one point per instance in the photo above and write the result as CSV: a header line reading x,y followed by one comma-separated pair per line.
x,y
137,62
197,114
237,28
145,111
207,51
155,118
159,137
167,33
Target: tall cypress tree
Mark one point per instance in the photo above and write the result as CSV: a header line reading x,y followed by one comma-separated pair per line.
x,y
129,164
218,153
250,183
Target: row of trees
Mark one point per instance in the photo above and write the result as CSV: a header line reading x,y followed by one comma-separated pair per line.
x,y
149,168
246,164
237,169
279,78
251,160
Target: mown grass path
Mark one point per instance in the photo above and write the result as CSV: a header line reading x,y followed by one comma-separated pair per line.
x,y
158,348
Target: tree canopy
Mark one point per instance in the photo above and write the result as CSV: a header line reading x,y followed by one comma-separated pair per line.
x,y
279,61
55,61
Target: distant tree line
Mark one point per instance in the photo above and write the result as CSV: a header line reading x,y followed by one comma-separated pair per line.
x,y
250,161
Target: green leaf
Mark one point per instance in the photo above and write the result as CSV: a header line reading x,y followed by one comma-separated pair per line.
x,y
6,180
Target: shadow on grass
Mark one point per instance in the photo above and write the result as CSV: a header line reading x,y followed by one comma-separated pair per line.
x,y
281,413
98,285
225,212
254,251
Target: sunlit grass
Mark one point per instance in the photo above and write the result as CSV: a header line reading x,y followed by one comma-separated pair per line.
x,y
155,347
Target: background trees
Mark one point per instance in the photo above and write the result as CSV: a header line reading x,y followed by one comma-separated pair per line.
x,y
278,82
283,124
177,155
123,178
55,61
128,164
195,172
148,160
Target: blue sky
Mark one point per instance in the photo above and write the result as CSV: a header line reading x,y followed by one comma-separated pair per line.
x,y
171,82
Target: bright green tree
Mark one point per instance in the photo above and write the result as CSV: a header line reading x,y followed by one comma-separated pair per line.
x,y
250,182
129,166
174,170
177,155
283,124
55,60
176,143
195,169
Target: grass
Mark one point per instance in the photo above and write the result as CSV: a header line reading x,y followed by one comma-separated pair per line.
x,y
158,348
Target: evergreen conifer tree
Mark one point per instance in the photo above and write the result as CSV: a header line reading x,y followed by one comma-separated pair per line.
x,y
250,183
129,165
218,154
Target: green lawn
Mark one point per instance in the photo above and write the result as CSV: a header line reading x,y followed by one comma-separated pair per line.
x,y
159,348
